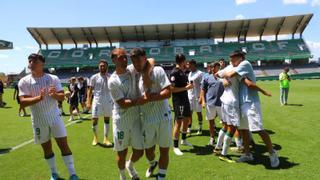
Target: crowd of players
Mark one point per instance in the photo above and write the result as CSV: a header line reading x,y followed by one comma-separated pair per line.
x,y
136,97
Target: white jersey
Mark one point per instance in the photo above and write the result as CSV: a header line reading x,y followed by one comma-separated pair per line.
x,y
99,83
196,78
156,111
230,95
46,112
123,86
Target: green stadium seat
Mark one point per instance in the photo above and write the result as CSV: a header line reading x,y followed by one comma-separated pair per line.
x,y
256,50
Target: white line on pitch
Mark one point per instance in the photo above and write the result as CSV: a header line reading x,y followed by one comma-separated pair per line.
x,y
31,140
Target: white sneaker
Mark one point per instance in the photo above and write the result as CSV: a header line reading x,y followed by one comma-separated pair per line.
x,y
199,132
186,143
274,159
189,130
245,158
211,142
177,151
131,171
151,168
71,118
237,149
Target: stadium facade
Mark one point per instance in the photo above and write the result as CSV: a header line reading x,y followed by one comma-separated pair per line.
x,y
202,41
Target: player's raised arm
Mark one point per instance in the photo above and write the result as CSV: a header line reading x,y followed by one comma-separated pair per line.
x,y
175,89
25,95
230,74
254,86
55,91
59,96
147,82
164,94
26,100
126,103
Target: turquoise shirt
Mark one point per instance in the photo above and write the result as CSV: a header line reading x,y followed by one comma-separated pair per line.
x,y
246,95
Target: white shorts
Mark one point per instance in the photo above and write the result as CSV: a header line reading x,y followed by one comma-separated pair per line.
x,y
212,112
251,117
102,109
44,134
127,134
194,105
158,133
230,115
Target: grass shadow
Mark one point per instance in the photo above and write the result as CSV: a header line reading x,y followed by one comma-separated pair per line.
x,y
5,150
262,157
83,120
269,131
105,146
294,105
6,107
200,150
204,133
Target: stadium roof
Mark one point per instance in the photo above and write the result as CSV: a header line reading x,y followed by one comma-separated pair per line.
x,y
6,44
197,30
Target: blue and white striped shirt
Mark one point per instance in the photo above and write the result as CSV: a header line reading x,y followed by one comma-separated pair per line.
x,y
156,111
46,112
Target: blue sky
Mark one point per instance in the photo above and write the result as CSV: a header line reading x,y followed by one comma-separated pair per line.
x,y
17,15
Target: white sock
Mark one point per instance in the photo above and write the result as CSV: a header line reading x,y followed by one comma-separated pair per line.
x,y
106,129
226,143
238,142
211,138
68,161
220,139
52,164
162,174
130,163
95,129
79,116
122,174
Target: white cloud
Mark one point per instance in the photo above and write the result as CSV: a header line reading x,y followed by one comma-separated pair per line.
x,y
17,48
31,47
239,2
240,16
3,56
286,2
313,45
314,48
315,3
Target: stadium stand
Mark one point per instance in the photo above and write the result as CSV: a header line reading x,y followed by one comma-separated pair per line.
x,y
202,41
273,50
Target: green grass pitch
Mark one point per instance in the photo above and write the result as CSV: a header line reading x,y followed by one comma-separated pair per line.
x,y
294,131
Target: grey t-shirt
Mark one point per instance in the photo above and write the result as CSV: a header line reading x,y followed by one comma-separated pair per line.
x,y
213,89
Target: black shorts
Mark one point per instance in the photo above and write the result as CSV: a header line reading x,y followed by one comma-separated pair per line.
x,y
82,98
73,102
181,108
